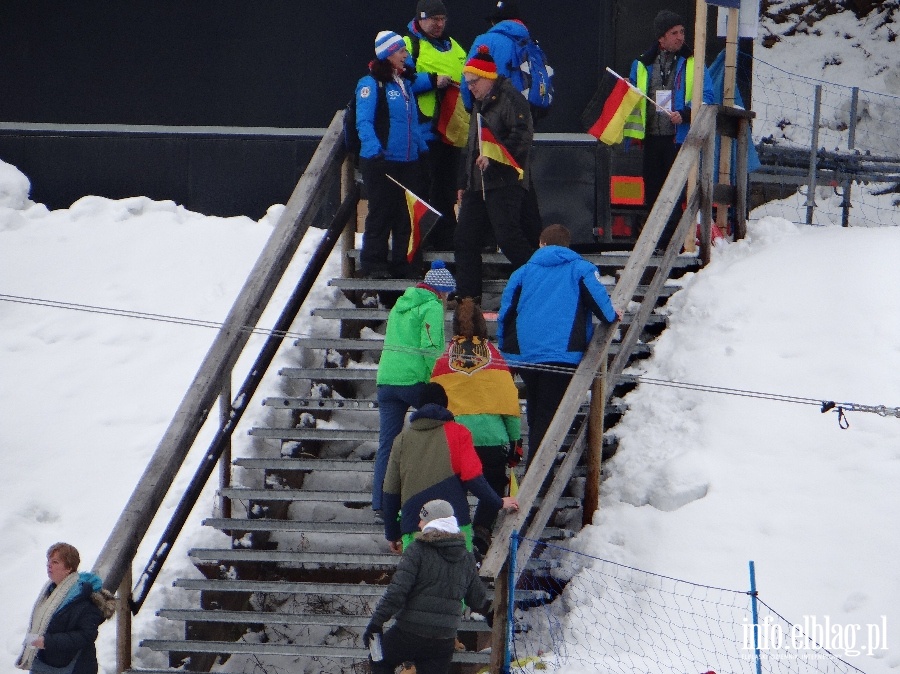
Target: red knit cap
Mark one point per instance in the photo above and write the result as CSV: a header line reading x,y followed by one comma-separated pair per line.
x,y
482,64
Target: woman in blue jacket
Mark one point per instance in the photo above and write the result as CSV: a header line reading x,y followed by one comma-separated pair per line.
x,y
388,126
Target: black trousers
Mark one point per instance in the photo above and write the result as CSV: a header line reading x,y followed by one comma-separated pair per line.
x,y
430,656
659,155
544,391
441,171
493,467
499,212
388,217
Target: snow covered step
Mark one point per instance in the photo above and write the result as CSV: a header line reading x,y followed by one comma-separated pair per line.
x,y
342,465
243,647
331,527
329,434
354,497
371,404
280,587
377,345
488,285
274,618
330,373
610,259
291,559
381,314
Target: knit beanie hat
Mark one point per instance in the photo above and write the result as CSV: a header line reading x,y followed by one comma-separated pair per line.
x,y
435,509
505,9
439,277
386,43
666,21
433,394
482,64
429,8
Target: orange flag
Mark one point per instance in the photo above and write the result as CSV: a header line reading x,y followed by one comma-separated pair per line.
x,y
493,149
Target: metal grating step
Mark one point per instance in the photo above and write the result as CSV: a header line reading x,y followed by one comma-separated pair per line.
x,y
354,497
370,528
341,465
291,559
488,285
279,587
243,647
329,434
381,314
273,618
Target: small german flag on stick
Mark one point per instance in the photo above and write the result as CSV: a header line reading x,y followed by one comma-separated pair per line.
x,y
493,148
422,218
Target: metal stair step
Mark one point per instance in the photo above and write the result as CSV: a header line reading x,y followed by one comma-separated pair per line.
x,y
279,587
243,647
291,559
263,524
328,434
488,285
274,618
354,497
330,373
371,404
609,259
341,465
381,314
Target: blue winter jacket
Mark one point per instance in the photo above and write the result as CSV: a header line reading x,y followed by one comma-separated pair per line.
x,y
501,41
404,141
545,311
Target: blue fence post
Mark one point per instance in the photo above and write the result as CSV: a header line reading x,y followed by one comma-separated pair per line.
x,y
510,600
753,594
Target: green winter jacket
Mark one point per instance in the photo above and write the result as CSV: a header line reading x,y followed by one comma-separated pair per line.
x,y
414,339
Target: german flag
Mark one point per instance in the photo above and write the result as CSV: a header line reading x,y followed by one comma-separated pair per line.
x,y
493,149
422,217
622,99
453,120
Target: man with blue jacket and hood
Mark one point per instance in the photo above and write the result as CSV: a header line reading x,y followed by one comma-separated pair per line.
x,y
544,325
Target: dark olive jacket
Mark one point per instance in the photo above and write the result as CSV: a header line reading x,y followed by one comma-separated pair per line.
x,y
435,574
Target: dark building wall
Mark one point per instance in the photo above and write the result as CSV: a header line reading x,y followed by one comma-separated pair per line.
x,y
272,63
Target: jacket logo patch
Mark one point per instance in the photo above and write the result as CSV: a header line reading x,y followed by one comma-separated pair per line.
x,y
365,92
393,93
468,357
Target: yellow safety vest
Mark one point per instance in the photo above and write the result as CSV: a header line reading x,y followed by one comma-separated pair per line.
x,y
431,60
636,122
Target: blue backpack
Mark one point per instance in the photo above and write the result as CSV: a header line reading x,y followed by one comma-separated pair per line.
x,y
535,79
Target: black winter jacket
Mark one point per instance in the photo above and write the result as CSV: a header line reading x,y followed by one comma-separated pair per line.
x,y
435,574
506,113
72,631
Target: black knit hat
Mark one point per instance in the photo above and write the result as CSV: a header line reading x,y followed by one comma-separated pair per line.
x,y
666,21
429,8
433,393
505,9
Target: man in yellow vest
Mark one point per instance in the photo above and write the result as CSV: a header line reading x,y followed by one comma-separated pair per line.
x,y
665,73
442,59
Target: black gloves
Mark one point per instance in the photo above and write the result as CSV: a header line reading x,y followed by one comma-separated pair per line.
x,y
371,630
488,612
515,453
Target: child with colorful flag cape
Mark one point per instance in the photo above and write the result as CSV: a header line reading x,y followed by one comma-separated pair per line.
x,y
495,175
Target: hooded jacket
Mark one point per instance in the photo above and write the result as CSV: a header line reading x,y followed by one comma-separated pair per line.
x,y
73,629
433,458
545,310
435,575
501,41
404,141
414,338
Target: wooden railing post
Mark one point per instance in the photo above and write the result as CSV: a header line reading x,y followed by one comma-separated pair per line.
x,y
348,238
595,445
225,461
123,624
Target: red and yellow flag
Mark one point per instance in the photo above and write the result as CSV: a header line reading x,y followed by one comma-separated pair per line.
x,y
493,149
609,127
453,120
422,218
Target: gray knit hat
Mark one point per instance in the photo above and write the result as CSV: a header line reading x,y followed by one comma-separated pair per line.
x,y
440,278
435,510
666,21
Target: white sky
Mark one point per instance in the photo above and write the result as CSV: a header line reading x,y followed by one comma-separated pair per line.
x,y
702,483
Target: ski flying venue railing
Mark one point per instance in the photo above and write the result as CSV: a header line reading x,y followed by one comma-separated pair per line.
x,y
212,381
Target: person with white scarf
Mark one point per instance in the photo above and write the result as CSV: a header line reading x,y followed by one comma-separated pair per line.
x,y
436,574
66,617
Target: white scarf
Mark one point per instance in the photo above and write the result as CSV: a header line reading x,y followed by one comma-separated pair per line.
x,y
446,524
44,608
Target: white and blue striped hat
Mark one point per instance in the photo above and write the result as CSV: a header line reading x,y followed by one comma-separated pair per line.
x,y
386,43
440,278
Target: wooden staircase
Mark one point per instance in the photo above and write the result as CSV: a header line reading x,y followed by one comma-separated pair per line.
x,y
307,561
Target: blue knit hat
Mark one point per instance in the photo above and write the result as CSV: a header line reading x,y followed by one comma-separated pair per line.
x,y
386,43
440,278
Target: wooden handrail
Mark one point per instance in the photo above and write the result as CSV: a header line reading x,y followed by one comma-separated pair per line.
x,y
115,559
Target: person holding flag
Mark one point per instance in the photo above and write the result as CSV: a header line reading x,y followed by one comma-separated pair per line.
x,y
494,176
443,122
